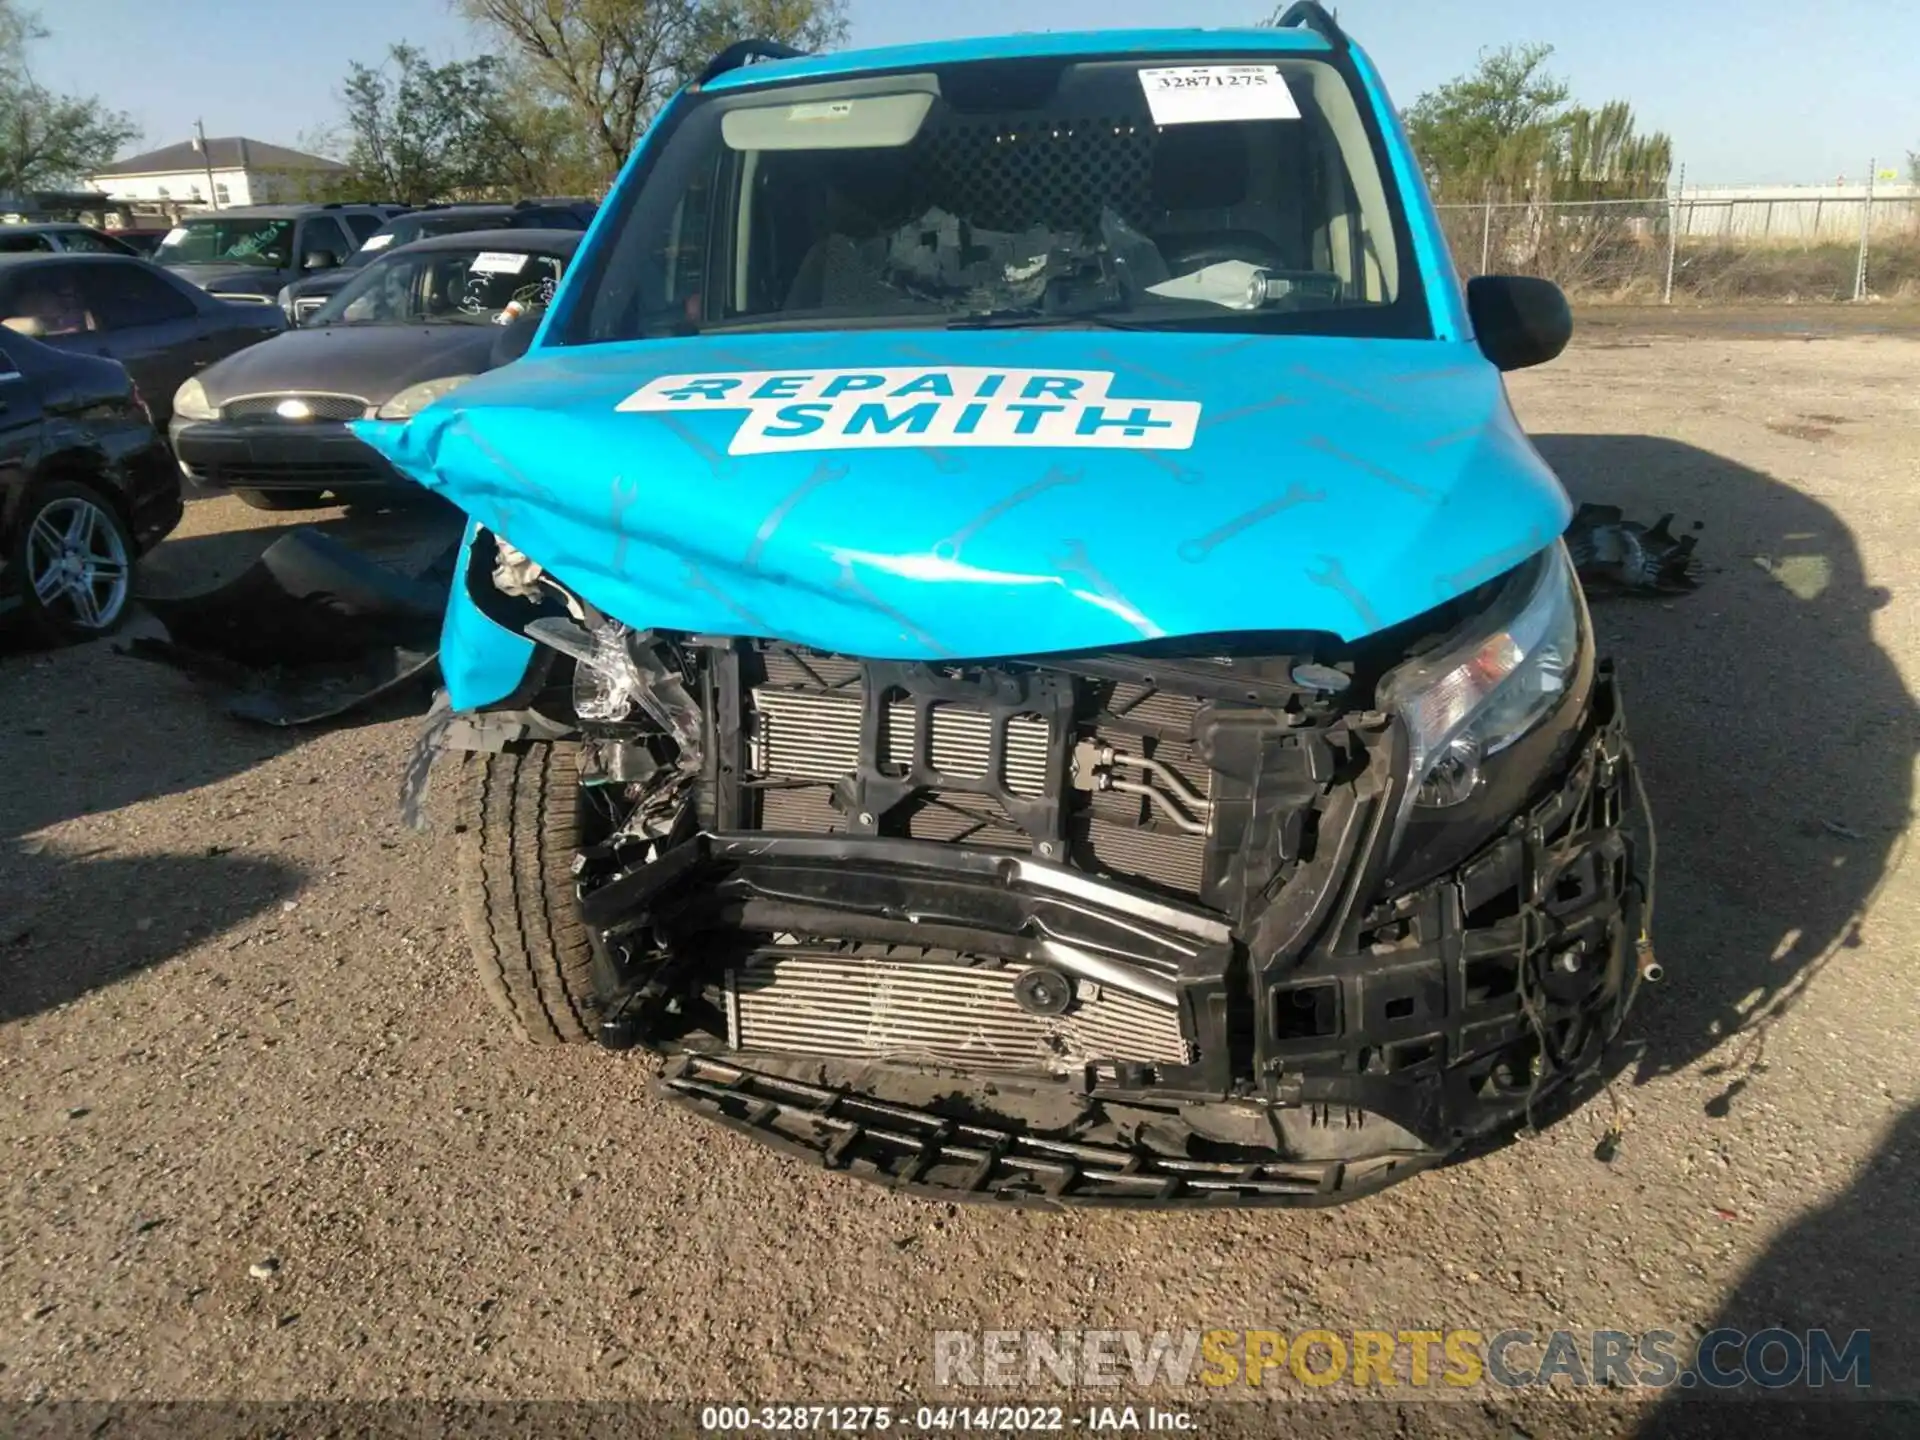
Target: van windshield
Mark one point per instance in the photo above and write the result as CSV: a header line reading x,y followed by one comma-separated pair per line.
x,y
1184,193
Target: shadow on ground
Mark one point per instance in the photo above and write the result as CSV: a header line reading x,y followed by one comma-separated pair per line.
x,y
88,731
1852,1265
77,922
404,535
1777,740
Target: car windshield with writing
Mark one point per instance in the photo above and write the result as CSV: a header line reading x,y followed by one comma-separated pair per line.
x,y
215,241
446,287
1178,193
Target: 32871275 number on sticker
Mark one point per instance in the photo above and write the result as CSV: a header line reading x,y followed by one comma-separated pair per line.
x,y
1197,94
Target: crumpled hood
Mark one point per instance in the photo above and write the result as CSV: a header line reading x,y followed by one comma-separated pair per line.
x,y
375,362
915,495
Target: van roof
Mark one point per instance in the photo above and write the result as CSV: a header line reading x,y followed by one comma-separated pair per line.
x,y
1293,40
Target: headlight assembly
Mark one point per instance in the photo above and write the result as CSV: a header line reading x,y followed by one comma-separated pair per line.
x,y
1490,687
190,402
415,398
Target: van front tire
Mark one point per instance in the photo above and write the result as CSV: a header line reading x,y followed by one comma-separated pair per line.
x,y
518,832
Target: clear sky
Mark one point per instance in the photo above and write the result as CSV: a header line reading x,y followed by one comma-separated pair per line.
x,y
1753,91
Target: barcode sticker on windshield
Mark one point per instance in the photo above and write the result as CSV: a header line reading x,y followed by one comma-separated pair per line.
x,y
822,110
498,262
1193,94
174,236
377,242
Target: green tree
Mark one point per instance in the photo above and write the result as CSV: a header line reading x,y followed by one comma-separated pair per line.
x,y
46,140
539,148
1603,157
1509,126
417,132
611,64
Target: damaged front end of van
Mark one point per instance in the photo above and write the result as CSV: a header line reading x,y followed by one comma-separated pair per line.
x,y
1076,712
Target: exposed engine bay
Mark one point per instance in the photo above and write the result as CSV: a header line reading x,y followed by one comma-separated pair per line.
x,y
1145,926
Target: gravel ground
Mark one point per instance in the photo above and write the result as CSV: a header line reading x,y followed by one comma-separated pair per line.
x,y
263,1139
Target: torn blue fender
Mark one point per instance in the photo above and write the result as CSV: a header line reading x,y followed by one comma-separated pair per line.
x,y
940,494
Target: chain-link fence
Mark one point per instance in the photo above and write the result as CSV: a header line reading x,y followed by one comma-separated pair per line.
x,y
1826,245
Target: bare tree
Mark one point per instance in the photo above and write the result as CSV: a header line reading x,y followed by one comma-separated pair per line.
x,y
614,63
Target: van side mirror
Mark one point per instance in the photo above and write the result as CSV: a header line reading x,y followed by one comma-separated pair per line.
x,y
320,260
1519,320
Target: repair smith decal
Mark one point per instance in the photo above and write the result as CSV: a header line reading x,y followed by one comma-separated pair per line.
x,y
888,409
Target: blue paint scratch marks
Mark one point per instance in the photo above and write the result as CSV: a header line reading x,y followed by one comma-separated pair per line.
x,y
696,579
1332,575
1379,472
623,495
1202,546
1102,591
851,583
1481,571
1183,473
1352,392
721,466
950,548
1227,417
826,472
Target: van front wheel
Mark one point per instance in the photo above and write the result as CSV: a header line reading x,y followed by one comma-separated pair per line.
x,y
519,830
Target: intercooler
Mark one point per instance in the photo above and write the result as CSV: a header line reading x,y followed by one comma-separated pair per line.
x,y
864,1007
805,732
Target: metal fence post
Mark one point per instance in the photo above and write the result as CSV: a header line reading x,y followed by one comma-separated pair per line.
x,y
1866,228
1673,233
1486,236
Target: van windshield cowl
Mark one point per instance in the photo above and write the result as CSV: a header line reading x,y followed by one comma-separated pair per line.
x,y
1237,194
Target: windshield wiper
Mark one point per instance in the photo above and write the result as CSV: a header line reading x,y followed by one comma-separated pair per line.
x,y
1034,318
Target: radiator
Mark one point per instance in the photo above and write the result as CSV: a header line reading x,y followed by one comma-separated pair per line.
x,y
815,735
804,734
870,1008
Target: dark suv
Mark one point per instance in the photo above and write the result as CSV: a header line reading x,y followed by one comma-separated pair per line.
x,y
248,254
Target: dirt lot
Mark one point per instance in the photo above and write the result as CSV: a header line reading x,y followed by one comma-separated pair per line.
x,y
237,1029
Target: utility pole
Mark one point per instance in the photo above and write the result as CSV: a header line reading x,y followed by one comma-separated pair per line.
x,y
1486,233
206,158
1674,222
1866,231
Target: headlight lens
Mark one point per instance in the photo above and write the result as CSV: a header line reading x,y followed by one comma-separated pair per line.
x,y
190,402
1481,693
415,398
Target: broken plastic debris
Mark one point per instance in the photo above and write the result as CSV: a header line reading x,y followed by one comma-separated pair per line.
x,y
310,631
1611,551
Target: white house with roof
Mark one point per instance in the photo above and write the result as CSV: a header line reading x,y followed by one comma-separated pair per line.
x,y
232,170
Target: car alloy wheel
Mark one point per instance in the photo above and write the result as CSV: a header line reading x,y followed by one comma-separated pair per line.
x,y
78,564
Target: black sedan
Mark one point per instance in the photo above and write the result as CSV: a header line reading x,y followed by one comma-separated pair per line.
x,y
269,424
162,328
86,486
303,298
58,236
